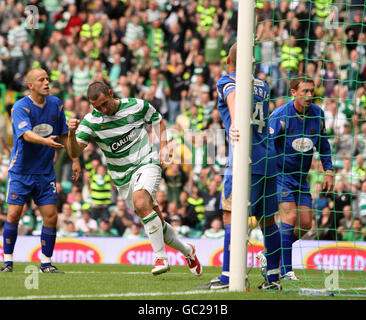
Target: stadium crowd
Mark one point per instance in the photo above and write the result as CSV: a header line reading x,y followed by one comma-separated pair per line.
x,y
171,53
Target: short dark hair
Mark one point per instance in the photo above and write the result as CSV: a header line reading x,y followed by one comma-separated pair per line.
x,y
95,89
295,82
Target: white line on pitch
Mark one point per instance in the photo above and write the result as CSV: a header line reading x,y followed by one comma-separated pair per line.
x,y
120,272
108,295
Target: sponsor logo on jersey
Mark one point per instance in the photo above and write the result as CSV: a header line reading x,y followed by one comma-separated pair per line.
x,y
22,124
302,144
70,251
141,253
43,129
338,255
124,141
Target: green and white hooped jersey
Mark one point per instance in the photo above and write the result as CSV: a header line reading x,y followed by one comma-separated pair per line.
x,y
122,137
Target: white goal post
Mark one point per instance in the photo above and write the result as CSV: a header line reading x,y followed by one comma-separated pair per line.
x,y
242,150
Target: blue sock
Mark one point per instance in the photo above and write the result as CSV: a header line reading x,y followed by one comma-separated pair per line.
x,y
10,236
287,239
226,260
48,239
272,244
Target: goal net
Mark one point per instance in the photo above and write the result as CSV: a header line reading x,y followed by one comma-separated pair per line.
x,y
325,42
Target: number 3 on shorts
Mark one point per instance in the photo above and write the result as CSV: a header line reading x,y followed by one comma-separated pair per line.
x,y
53,186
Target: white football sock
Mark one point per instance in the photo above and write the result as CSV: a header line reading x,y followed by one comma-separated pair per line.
x,y
154,231
8,257
172,240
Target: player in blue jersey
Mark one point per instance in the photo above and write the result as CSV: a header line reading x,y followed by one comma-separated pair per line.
x,y
38,121
263,179
298,127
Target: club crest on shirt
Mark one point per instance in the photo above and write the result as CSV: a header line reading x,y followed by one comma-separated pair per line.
x,y
130,118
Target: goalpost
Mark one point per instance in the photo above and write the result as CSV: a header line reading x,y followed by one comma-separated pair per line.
x,y
326,41
241,151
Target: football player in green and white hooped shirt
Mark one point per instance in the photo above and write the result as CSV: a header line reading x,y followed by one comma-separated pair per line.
x,y
117,126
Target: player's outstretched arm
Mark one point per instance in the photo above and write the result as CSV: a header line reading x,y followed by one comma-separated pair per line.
x,y
74,149
33,137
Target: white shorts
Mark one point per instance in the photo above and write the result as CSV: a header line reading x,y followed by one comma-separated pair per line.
x,y
148,177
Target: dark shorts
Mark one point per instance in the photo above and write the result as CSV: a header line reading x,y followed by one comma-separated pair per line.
x,y
263,195
291,190
41,187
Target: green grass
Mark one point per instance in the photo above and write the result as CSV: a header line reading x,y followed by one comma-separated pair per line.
x,y
132,282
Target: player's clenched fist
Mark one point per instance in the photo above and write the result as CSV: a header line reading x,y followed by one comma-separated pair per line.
x,y
73,125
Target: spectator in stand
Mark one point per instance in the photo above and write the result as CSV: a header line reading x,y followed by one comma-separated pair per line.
x,y
27,222
172,210
187,211
362,202
357,233
69,22
85,224
80,78
341,198
115,9
198,203
101,192
66,215
326,225
212,204
178,82
134,232
175,179
330,77
181,229
360,168
104,230
18,39
360,141
216,230
345,223
120,217
350,178
38,222
68,230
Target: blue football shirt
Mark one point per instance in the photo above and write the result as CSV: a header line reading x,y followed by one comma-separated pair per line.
x,y
31,158
296,136
262,144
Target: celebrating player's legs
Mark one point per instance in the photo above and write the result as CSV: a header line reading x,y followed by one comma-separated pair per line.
x,y
263,191
38,120
117,126
298,127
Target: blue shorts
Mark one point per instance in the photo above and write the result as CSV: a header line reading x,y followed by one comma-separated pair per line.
x,y
41,187
263,195
289,189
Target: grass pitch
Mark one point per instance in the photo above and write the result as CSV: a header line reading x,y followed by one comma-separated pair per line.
x,y
135,282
